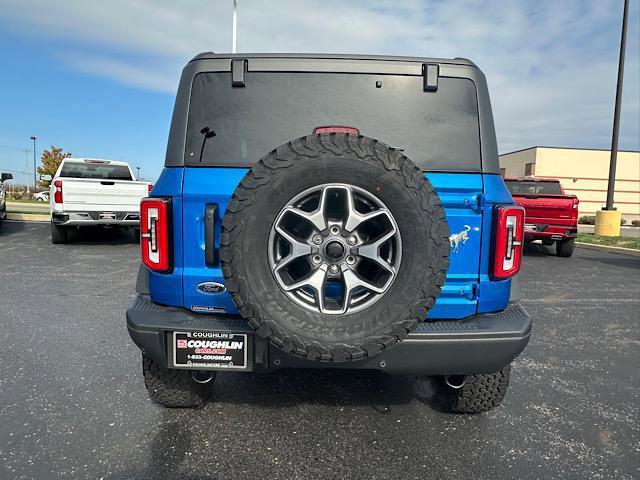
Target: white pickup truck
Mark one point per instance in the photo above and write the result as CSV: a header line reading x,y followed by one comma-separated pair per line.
x,y
87,192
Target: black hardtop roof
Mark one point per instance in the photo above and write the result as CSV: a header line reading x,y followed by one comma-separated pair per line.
x,y
333,56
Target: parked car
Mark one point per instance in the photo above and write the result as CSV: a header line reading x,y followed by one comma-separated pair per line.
x,y
330,211
550,214
88,192
3,195
41,196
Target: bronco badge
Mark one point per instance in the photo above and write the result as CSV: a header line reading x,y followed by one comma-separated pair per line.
x,y
212,288
456,238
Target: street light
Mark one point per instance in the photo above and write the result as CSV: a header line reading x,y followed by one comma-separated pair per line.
x,y
138,176
35,184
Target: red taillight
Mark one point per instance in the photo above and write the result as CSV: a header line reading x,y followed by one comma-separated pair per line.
x,y
574,210
57,194
508,240
150,187
335,129
155,224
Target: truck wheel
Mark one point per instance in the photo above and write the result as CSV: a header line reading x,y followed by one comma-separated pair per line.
x,y
334,247
477,393
173,388
564,248
59,234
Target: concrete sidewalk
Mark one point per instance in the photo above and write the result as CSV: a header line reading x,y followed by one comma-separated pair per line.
x,y
42,207
633,232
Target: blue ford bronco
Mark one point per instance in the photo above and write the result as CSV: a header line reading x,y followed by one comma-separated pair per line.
x,y
330,211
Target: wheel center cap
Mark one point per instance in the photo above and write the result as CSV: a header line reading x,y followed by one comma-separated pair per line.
x,y
334,250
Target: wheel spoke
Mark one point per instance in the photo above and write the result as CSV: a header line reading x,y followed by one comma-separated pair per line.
x,y
352,281
298,248
314,280
372,250
317,217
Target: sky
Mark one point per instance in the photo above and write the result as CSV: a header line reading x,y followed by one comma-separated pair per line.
x,y
99,78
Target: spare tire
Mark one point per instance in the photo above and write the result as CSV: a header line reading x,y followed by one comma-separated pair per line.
x,y
334,247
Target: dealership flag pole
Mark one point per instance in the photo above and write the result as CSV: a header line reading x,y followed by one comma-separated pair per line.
x,y
233,28
607,219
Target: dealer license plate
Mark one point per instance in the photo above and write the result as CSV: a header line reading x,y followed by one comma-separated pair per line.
x,y
107,215
209,350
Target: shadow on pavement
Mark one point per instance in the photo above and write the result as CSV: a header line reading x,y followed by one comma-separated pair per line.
x,y
102,236
289,388
538,250
10,227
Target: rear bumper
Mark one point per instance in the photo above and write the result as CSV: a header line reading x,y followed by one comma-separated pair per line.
x,y
477,344
550,232
79,219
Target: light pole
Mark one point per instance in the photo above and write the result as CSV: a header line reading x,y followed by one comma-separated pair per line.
x,y
608,219
35,183
233,26
138,176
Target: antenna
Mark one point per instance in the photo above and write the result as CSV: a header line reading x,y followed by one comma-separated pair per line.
x,y
233,28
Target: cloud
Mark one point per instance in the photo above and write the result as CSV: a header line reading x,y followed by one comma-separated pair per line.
x,y
551,66
150,75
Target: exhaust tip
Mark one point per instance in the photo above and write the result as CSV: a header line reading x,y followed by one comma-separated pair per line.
x,y
199,376
454,381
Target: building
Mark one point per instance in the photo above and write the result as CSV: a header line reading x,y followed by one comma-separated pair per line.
x,y
583,172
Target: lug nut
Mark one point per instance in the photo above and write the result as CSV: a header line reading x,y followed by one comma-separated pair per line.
x,y
317,239
334,269
351,259
335,230
316,259
352,240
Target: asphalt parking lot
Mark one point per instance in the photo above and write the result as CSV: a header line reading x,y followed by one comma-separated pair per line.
x,y
73,405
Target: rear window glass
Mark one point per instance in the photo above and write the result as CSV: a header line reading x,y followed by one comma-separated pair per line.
x,y
534,188
438,130
95,170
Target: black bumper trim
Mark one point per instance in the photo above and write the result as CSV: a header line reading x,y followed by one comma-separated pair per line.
x,y
478,344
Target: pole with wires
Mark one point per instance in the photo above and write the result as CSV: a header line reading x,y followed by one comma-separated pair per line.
x,y
233,26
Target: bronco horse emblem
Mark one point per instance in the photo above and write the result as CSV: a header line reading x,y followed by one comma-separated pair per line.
x,y
456,238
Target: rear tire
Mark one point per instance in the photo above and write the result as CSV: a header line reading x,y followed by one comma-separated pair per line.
x,y
59,234
564,248
479,393
173,388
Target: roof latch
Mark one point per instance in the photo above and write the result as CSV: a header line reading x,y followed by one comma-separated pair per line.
x,y
238,72
430,73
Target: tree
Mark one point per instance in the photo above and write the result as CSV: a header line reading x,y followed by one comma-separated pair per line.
x,y
51,160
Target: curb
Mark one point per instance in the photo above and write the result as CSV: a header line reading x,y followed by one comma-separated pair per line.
x,y
605,248
28,217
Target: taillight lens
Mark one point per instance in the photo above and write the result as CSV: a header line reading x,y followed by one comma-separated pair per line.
x,y
574,212
155,225
57,194
150,187
336,129
508,241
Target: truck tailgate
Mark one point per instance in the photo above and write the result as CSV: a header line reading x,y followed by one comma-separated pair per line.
x,y
99,195
546,207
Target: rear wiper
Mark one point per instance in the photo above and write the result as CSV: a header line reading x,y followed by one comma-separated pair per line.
x,y
208,133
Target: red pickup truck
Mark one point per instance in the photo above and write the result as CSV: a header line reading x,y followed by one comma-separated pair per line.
x,y
550,214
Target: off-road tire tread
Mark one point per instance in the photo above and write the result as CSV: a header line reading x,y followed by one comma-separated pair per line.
x,y
481,392
172,388
312,147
